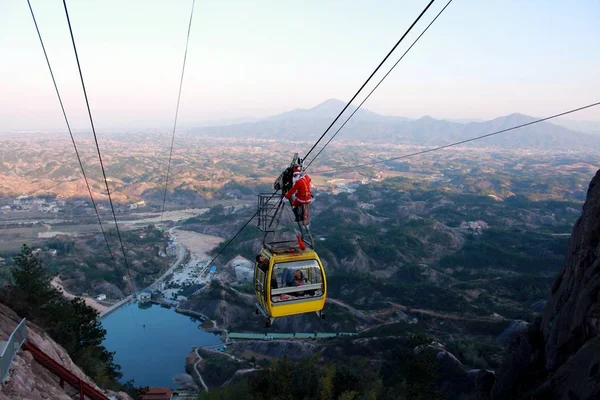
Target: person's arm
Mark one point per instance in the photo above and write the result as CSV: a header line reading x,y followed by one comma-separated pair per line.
x,y
292,190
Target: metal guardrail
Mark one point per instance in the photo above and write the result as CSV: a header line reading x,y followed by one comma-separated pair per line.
x,y
9,348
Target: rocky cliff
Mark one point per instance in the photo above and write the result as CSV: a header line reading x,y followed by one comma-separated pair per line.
x,y
28,379
559,356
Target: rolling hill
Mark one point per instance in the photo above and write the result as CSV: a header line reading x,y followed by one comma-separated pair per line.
x,y
309,124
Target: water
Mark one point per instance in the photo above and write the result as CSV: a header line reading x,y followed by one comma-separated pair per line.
x,y
152,355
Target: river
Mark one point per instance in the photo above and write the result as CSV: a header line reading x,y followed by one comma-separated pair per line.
x,y
152,344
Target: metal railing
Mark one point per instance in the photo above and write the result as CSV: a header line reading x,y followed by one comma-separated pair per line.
x,y
9,348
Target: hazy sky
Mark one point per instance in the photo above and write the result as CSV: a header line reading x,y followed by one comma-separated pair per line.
x,y
481,59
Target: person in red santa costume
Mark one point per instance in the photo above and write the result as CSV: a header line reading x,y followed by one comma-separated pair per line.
x,y
300,195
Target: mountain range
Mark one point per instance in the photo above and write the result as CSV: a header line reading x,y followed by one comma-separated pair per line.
x,y
365,125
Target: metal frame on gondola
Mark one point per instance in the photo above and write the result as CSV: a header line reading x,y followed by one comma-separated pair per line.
x,y
281,253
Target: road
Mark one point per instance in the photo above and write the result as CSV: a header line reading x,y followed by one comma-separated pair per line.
x,y
198,372
56,283
180,257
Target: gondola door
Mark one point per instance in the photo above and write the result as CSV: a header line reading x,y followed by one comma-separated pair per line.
x,y
261,286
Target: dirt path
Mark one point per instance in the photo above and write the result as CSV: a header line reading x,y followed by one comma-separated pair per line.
x,y
56,282
436,314
381,315
197,371
480,280
357,313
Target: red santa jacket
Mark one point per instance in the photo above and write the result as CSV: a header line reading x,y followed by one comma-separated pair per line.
x,y
301,189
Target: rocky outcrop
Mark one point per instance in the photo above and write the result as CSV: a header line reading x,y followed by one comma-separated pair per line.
x,y
28,379
513,329
559,356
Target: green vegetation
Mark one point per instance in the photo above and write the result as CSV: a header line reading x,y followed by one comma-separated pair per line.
x,y
525,252
84,264
476,354
399,375
366,291
71,323
220,367
235,391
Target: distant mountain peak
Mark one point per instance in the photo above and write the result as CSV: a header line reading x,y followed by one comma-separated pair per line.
x,y
516,117
330,103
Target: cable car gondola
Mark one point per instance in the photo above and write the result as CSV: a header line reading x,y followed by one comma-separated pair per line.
x,y
289,277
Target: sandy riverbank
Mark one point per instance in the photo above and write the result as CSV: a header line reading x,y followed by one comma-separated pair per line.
x,y
197,244
56,282
150,218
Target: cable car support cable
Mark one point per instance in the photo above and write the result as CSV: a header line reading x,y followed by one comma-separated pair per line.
x,y
380,82
112,208
467,140
424,152
187,41
62,107
369,78
335,120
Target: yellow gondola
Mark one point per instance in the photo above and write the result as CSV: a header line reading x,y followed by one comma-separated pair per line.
x,y
275,283
289,278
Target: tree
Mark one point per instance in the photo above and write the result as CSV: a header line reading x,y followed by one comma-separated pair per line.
x,y
71,323
327,383
32,284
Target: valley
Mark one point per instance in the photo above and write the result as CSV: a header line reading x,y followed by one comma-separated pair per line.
x,y
460,245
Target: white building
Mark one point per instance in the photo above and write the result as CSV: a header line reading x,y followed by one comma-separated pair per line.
x,y
244,274
101,297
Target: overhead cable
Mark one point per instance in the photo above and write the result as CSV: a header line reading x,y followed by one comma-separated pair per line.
x,y
464,141
187,41
369,78
87,103
241,229
376,86
62,107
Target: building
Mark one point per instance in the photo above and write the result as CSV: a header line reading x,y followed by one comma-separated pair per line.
x,y
171,249
158,393
101,297
137,205
144,296
21,200
244,274
244,269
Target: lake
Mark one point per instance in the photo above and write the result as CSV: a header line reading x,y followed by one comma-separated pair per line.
x,y
153,354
